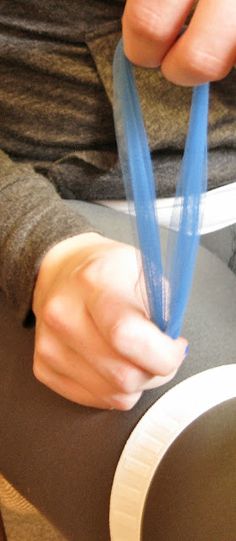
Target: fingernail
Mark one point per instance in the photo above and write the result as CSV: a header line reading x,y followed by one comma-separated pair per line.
x,y
186,351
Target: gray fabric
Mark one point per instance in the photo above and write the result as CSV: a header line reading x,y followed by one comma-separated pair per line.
x,y
61,456
56,119
223,244
166,112
30,223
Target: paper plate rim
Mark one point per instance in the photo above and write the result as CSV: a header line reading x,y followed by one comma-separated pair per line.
x,y
162,423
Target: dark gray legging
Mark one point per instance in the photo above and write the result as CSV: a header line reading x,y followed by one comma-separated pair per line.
x,y
62,456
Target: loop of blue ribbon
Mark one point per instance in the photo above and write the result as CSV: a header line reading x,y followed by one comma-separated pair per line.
x,y
168,288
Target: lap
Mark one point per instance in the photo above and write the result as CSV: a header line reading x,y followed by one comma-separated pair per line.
x,y
61,456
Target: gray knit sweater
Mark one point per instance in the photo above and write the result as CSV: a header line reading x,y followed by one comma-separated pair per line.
x,y
56,132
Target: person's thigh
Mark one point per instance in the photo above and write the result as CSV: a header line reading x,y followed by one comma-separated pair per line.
x,y
62,456
223,244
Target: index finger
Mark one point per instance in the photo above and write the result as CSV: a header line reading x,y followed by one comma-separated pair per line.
x,y
150,27
132,335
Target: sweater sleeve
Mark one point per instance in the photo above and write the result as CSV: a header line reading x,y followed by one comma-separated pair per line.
x,y
33,218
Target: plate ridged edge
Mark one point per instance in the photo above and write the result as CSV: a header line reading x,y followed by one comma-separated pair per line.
x,y
151,438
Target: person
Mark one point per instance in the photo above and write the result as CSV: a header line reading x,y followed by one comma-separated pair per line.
x,y
73,356
63,265
116,327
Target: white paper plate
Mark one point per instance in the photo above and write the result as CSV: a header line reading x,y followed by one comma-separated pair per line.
x,y
151,438
218,208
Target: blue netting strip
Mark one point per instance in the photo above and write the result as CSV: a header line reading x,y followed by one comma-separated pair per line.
x,y
168,287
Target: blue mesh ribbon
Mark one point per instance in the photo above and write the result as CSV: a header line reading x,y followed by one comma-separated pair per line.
x,y
168,287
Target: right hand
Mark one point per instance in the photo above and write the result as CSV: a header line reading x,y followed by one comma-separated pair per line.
x,y
206,51
95,344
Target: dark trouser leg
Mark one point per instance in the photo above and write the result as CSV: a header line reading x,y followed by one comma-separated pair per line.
x,y
61,456
223,244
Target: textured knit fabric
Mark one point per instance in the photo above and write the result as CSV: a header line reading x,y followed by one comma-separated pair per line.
x,y
51,103
57,134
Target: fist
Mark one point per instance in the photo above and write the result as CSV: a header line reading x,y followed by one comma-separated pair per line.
x,y
95,343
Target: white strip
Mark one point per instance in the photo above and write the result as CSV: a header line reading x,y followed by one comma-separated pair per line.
x,y
218,208
151,438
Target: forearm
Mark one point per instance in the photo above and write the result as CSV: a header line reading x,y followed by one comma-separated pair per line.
x,y
33,218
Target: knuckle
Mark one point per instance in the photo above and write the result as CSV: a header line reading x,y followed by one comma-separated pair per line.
x,y
158,381
148,23
124,381
93,268
85,275
89,279
43,353
125,402
37,370
53,314
120,333
169,365
206,64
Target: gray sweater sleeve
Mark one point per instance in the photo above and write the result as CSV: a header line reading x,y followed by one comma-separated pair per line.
x,y
33,218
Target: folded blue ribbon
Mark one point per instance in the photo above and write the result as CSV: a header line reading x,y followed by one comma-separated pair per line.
x,y
167,288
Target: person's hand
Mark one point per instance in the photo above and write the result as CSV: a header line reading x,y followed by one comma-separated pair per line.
x,y
206,51
94,342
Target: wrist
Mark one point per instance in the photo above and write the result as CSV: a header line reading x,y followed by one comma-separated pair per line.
x,y
62,257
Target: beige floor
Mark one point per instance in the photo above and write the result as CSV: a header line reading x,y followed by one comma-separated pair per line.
x,y
22,521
